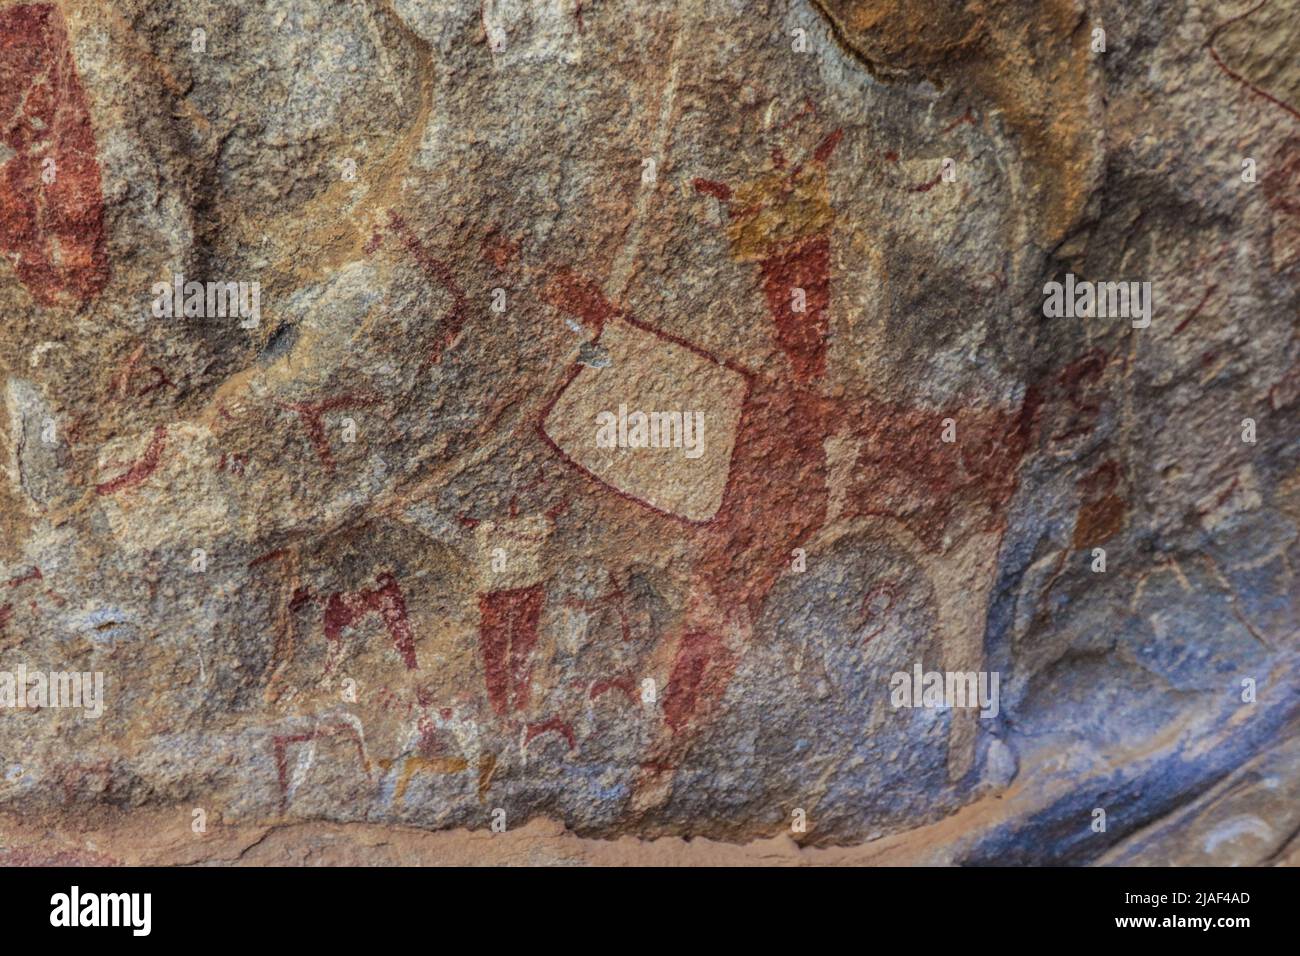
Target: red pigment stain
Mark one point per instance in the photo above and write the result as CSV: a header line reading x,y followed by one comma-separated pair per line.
x,y
700,671
876,605
118,384
161,380
506,635
1103,480
1282,184
715,189
1233,74
344,610
449,326
554,725
235,462
926,186
1282,192
6,612
580,297
1083,371
776,497
311,412
777,493
141,470
806,108
33,575
905,472
1222,497
802,335
269,556
52,232
74,778
615,598
498,251
301,597
432,742
802,263
1196,311
827,146
968,117
624,684
1075,384
281,745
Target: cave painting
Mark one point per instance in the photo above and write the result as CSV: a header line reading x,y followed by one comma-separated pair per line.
x,y
777,492
670,387
1243,47
510,601
51,206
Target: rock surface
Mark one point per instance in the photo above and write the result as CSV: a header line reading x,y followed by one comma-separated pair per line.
x,y
366,582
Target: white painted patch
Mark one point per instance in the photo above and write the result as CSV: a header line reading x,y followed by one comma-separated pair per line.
x,y
1234,828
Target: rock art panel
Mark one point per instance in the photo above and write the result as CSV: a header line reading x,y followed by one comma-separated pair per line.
x,y
657,423
51,213
650,425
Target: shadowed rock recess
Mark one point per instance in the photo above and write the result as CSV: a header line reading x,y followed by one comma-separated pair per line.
x,y
614,432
